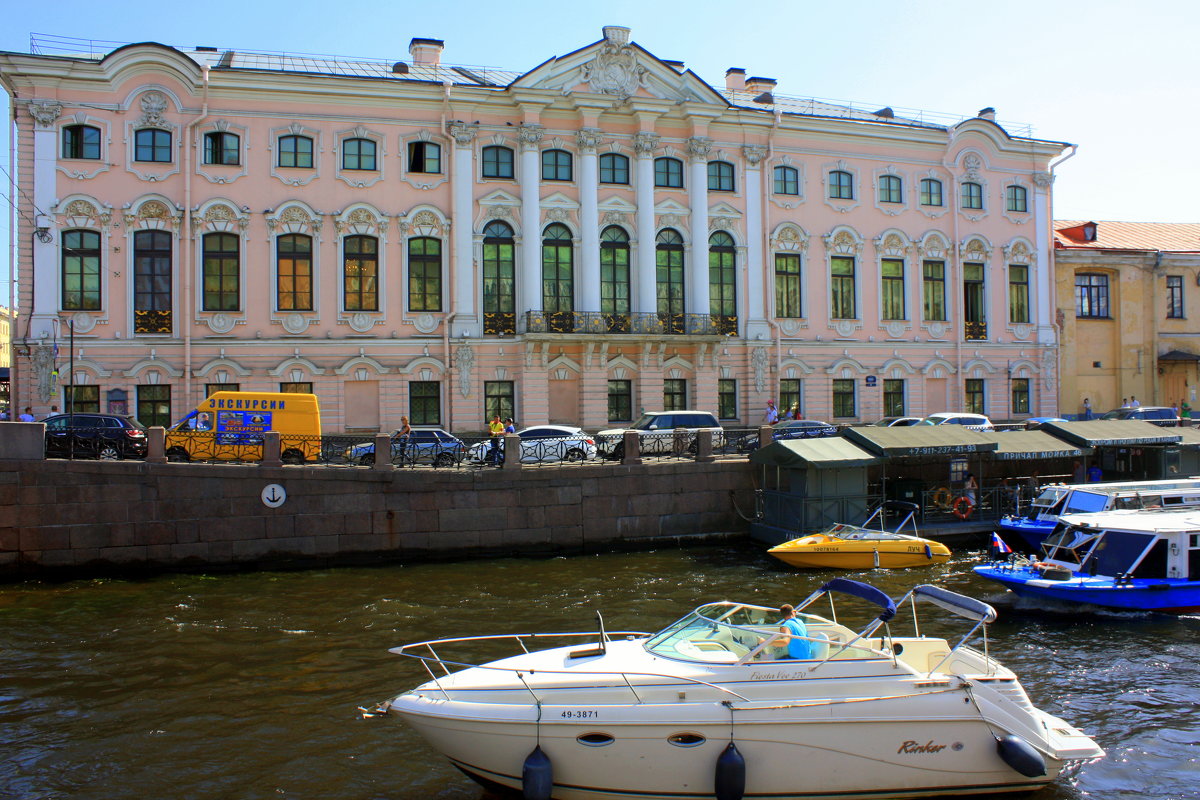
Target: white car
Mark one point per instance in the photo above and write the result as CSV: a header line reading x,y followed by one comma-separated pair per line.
x,y
973,422
542,444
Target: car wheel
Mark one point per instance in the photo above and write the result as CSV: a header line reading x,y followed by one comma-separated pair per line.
x,y
618,452
108,452
178,454
367,460
693,448
296,457
443,460
574,454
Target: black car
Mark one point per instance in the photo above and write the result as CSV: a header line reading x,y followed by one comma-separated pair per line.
x,y
105,436
790,429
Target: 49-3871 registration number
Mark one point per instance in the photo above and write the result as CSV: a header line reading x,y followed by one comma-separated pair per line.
x,y
580,714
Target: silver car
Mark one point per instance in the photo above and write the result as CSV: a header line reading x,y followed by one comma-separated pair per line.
x,y
541,444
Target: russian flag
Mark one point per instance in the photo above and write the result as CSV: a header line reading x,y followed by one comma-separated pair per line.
x,y
999,546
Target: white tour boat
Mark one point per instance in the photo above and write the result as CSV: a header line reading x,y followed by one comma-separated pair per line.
x,y
708,708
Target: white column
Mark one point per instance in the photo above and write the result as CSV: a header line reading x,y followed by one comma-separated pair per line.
x,y
463,204
756,268
697,262
1044,267
529,288
45,261
646,295
587,295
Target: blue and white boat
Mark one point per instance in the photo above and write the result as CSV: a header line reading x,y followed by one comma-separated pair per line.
x,y
1027,531
1141,560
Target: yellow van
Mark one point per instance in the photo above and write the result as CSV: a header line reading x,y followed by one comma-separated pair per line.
x,y
229,426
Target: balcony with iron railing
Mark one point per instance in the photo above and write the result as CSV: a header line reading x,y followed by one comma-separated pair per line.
x,y
596,322
974,331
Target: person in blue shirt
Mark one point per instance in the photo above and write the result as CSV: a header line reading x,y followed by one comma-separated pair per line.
x,y
794,627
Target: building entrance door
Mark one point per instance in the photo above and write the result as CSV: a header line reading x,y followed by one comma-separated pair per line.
x,y
564,401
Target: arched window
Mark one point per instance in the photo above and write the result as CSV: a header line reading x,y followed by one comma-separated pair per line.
x,y
1016,198
360,273
152,282
668,173
222,272
80,141
424,274
614,168
558,278
499,283
80,271
669,279
424,157
222,147
296,151
294,272
722,282
787,180
841,185
972,195
720,176
614,271
151,144
556,165
891,189
931,192
358,154
497,162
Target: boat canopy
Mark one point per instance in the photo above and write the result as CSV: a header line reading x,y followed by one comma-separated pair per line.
x,y
956,603
863,591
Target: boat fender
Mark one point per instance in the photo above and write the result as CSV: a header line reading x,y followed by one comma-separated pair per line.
x,y
1021,756
928,552
537,777
731,774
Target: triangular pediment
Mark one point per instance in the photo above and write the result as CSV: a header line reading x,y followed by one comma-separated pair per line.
x,y
559,200
618,68
672,207
499,198
724,210
617,203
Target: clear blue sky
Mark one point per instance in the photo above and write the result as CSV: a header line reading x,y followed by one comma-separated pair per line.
x,y
1118,78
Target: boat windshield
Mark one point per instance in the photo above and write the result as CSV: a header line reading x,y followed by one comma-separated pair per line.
x,y
1046,500
1069,545
1082,502
727,632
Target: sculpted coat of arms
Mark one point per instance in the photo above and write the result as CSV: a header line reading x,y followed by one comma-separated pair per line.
x,y
615,71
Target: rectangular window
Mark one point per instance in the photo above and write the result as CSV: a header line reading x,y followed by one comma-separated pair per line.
x,y
1175,297
498,400
296,387
360,273
674,394
294,272
497,163
1020,396
80,271
727,398
791,395
841,270
841,185
425,403
1016,198
787,180
1091,296
843,397
81,141
668,173
425,157
787,285
212,388
934,291
972,196
620,401
296,151
152,282
890,189
973,307
893,397
892,275
222,272
152,145
358,154
154,405
1018,293
614,168
221,147
82,399
931,192
424,274
974,395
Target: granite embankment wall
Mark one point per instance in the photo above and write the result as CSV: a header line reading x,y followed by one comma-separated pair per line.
x,y
95,518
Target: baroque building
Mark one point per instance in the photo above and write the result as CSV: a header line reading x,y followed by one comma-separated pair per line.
x,y
1127,301
603,234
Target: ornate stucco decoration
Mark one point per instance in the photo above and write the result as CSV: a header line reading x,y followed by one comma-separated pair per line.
x,y
153,214
842,243
758,363
644,143
975,250
754,154
220,323
464,361
721,223
154,105
699,147
614,218
1043,180
1019,253
44,112
557,215
589,139
615,70
44,370
790,237
891,244
530,135
294,219
972,164
463,133
80,213
669,221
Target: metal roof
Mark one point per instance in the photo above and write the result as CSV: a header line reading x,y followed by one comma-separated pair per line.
x,y
920,440
824,453
1112,432
1021,445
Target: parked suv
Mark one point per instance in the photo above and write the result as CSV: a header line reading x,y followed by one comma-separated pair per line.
x,y
1159,415
656,431
106,436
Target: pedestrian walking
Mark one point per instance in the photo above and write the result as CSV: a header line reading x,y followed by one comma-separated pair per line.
x,y
402,436
772,415
26,415
1133,402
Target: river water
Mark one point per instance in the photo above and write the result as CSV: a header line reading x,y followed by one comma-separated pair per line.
x,y
189,687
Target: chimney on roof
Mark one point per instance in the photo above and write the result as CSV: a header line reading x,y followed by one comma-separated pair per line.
x,y
735,79
427,52
756,84
988,113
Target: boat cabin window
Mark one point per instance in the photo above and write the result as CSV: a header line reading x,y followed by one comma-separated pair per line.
x,y
1194,560
1045,502
1079,502
1069,545
1118,552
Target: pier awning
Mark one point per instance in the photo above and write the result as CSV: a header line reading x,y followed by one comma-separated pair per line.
x,y
1188,437
1021,445
1112,433
920,440
832,452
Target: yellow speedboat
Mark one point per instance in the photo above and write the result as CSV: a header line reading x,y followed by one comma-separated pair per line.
x,y
845,546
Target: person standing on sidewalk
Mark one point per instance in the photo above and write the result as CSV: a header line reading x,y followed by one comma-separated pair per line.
x,y
772,415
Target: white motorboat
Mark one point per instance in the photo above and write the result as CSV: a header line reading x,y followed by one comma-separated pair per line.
x,y
708,708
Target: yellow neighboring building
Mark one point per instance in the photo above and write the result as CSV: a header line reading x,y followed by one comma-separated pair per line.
x,y
7,319
1129,313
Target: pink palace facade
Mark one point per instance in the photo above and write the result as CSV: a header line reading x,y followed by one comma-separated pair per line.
x,y
601,235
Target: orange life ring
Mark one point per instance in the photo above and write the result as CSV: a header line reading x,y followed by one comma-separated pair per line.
x,y
941,498
963,507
